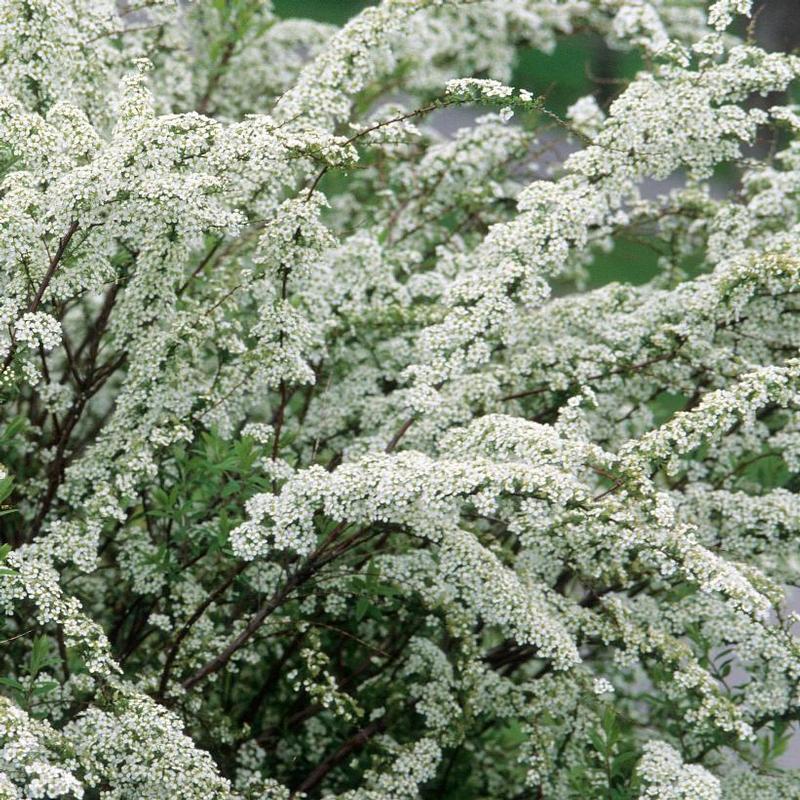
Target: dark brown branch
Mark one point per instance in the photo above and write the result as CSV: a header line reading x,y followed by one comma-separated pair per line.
x,y
356,136
355,742
251,711
401,432
92,385
318,559
201,266
92,337
187,626
619,371
51,271
54,262
216,76
367,669
219,661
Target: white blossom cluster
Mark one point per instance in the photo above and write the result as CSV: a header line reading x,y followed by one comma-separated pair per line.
x,y
328,466
666,777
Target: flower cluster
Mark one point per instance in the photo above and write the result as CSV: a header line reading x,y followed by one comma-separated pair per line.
x,y
330,464
666,777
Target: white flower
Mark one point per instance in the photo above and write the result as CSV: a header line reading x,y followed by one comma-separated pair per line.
x,y
602,686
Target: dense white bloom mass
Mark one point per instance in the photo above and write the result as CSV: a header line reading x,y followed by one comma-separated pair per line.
x,y
665,776
330,467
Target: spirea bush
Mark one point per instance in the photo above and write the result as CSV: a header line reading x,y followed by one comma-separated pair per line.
x,y
325,474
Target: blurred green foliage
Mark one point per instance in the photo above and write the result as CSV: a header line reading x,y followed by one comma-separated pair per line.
x,y
581,64
336,11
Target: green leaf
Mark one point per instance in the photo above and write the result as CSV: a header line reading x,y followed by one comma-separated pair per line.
x,y
6,487
39,656
622,762
231,488
610,726
362,606
13,428
597,741
781,746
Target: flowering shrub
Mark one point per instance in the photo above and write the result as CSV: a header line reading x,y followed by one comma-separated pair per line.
x,y
314,487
